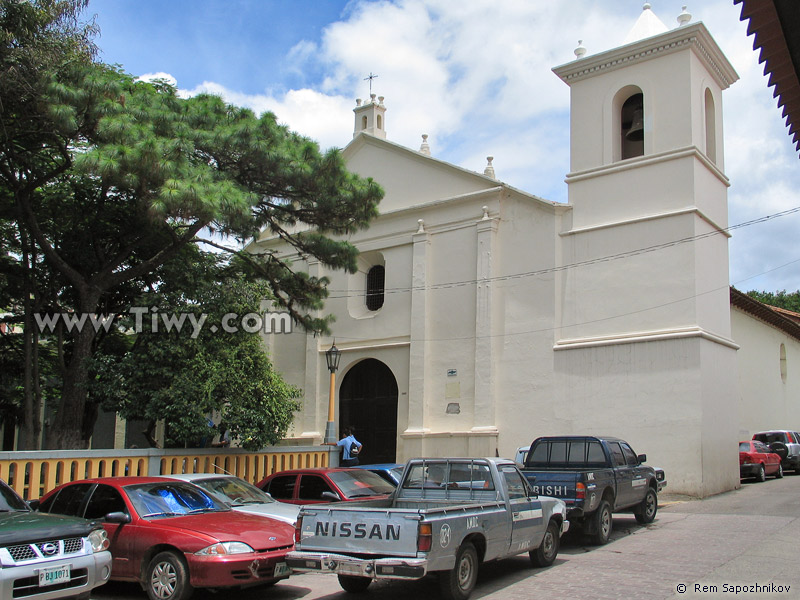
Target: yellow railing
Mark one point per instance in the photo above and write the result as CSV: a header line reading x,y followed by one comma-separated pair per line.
x,y
33,474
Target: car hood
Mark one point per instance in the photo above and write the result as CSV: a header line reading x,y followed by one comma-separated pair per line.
x,y
276,510
233,526
18,527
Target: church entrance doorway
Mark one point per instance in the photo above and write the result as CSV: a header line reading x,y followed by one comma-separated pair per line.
x,y
368,402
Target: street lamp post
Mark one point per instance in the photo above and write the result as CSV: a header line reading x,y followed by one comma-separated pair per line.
x,y
332,356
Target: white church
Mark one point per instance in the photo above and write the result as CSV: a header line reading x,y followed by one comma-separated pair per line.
x,y
483,316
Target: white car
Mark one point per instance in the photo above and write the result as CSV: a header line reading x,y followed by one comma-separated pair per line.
x,y
241,496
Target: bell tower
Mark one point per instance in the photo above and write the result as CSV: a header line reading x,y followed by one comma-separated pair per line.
x,y
370,117
644,292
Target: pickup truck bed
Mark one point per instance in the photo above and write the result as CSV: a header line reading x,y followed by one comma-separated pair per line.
x,y
595,476
446,516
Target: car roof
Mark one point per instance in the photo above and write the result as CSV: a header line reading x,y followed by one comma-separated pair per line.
x,y
194,476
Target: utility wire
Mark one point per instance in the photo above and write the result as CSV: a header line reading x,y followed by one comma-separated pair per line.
x,y
337,294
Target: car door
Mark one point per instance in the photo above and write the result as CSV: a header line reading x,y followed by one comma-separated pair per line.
x,y
282,488
527,525
312,490
106,499
639,476
623,474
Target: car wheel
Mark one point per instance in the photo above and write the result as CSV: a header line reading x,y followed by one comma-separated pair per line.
x,y
779,472
762,474
458,582
646,513
353,583
602,524
167,578
547,551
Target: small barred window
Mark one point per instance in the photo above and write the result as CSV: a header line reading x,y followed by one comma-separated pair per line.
x,y
376,278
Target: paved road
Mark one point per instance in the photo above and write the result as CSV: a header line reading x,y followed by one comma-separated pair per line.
x,y
747,537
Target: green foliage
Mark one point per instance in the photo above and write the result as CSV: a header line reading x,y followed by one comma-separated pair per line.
x,y
781,299
111,179
182,377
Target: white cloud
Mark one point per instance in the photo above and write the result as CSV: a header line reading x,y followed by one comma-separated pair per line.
x,y
476,76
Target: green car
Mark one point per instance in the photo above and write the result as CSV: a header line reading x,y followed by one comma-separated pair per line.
x,y
44,557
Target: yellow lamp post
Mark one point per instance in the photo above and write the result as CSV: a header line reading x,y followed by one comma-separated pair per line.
x,y
332,357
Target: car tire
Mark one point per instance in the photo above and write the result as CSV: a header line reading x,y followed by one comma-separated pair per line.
x,y
354,584
762,474
646,512
779,472
167,578
602,524
547,551
458,582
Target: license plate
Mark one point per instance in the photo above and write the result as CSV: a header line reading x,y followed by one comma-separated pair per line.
x,y
281,569
54,575
346,568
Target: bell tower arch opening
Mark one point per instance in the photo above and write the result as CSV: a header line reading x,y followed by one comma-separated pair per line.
x,y
368,403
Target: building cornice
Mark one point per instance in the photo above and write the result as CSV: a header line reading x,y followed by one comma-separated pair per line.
x,y
695,37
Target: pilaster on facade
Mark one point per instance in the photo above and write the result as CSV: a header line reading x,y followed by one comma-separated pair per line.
x,y
315,402
484,359
418,348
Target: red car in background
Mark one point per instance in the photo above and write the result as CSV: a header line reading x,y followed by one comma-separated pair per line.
x,y
171,536
757,460
313,486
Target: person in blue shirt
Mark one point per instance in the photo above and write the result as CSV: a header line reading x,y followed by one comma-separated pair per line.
x,y
350,446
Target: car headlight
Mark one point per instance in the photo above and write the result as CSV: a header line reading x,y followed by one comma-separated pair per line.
x,y
221,548
99,540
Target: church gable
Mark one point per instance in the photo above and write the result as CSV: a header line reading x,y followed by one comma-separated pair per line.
x,y
410,178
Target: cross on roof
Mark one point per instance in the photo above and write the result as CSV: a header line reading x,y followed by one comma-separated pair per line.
x,y
370,78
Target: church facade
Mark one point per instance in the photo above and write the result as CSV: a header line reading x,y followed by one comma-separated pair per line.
x,y
482,316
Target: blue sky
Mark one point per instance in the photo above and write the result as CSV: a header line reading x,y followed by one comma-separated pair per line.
x,y
475,75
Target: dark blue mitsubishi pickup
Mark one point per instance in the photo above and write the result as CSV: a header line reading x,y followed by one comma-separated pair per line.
x,y
594,476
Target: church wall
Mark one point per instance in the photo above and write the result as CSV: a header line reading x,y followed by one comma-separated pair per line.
x,y
420,183
766,400
647,394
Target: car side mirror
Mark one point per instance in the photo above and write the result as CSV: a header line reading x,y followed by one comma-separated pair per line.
x,y
333,497
117,517
642,458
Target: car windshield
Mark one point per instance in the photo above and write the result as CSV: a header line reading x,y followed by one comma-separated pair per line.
x,y
9,500
171,499
358,483
235,491
397,473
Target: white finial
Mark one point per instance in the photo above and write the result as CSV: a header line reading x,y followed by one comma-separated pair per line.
x,y
425,148
580,50
372,98
684,17
421,228
380,100
489,170
485,213
358,101
646,6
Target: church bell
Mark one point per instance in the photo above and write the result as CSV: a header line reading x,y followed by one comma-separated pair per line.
x,y
636,131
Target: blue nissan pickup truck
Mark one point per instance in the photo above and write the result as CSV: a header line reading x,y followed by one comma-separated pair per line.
x,y
594,476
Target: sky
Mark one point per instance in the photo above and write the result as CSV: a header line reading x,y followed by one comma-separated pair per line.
x,y
475,75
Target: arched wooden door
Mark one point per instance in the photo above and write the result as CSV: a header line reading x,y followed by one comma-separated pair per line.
x,y
368,402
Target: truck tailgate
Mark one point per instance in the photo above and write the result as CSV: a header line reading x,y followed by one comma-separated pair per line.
x,y
368,531
558,484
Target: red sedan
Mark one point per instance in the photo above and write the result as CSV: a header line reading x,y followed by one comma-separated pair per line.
x,y
172,537
757,460
312,486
